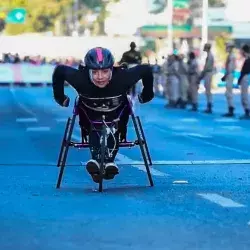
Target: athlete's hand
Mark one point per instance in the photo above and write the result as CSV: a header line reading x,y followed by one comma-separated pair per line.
x,y
145,97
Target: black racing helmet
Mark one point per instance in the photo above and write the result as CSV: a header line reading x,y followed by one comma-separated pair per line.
x,y
99,58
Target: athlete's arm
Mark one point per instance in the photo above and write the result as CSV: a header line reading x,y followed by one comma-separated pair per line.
x,y
61,74
141,72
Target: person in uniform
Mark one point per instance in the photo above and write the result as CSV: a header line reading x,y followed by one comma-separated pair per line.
x,y
244,81
173,81
229,78
164,70
183,82
207,75
156,68
193,75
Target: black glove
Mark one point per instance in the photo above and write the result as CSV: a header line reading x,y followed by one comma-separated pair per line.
x,y
145,96
63,102
124,65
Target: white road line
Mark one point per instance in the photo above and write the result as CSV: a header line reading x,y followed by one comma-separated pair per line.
x,y
205,142
198,135
180,182
225,147
204,162
26,120
23,107
123,159
231,128
188,120
62,120
220,200
187,133
38,129
227,120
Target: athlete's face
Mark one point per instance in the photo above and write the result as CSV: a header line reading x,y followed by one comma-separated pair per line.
x,y
101,77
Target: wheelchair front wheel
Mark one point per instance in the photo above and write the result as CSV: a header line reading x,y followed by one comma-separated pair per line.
x,y
102,156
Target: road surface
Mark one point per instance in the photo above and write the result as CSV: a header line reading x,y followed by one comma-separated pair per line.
x,y
200,199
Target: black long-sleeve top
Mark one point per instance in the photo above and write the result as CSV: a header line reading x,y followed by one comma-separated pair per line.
x,y
122,80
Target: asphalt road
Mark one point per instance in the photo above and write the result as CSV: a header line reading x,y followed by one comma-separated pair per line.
x,y
200,199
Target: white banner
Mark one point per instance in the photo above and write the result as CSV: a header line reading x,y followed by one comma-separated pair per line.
x,y
37,73
6,73
27,73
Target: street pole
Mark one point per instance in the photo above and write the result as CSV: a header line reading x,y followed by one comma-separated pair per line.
x,y
204,27
170,25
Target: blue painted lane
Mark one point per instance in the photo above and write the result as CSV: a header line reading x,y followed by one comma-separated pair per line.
x,y
191,206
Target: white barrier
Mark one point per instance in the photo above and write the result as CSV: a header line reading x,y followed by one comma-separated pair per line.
x,y
33,74
6,73
42,74
26,73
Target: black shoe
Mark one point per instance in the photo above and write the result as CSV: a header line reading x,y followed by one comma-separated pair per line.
x,y
171,104
228,115
230,112
209,109
93,169
246,116
183,105
111,170
194,107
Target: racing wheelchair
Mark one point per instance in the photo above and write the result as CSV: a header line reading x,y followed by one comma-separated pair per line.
x,y
107,122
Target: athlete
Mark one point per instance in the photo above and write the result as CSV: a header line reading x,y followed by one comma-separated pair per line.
x,y
99,78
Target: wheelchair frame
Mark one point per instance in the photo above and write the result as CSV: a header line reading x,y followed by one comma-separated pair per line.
x,y
67,143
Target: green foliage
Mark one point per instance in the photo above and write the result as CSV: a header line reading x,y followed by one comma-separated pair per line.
x,y
157,6
42,19
92,4
15,29
100,7
216,3
42,14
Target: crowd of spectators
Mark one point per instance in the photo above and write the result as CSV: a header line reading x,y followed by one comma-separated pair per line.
x,y
38,60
